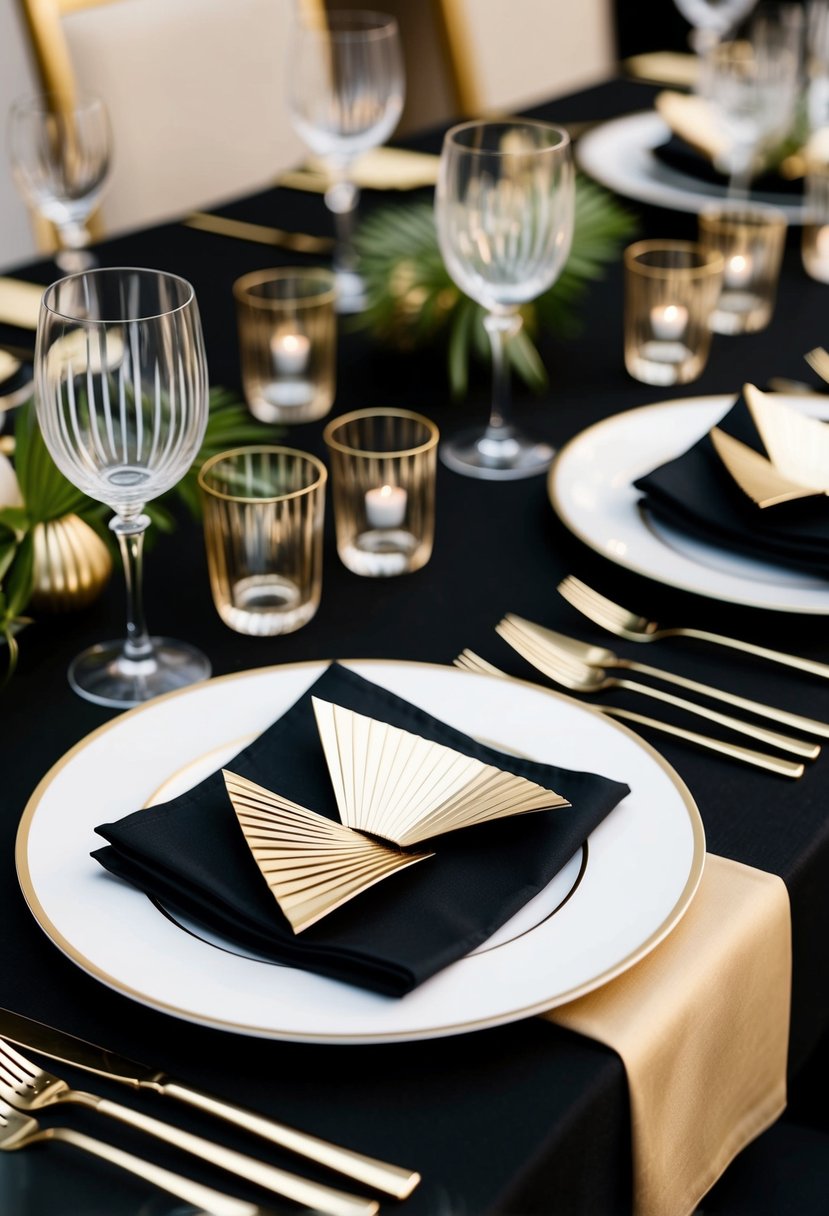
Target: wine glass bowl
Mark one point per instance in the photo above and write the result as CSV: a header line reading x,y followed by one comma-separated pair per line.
x,y
346,88
122,398
504,212
60,150
712,20
752,87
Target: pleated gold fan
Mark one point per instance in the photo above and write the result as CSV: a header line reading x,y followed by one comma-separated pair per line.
x,y
388,783
797,446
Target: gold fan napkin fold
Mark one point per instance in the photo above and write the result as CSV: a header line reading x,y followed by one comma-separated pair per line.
x,y
702,1026
692,119
797,447
387,782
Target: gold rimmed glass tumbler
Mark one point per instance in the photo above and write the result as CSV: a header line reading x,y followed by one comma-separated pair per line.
x,y
383,465
287,343
263,527
671,289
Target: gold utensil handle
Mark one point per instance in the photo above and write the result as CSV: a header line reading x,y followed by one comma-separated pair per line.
x,y
812,666
290,1186
379,1175
301,242
798,747
773,764
700,711
203,1197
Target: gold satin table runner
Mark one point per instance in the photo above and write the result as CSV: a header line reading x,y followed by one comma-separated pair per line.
x,y
702,1026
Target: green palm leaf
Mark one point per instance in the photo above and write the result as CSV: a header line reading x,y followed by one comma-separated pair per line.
x,y
412,301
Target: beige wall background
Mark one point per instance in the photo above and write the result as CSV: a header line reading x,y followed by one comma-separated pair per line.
x,y
16,78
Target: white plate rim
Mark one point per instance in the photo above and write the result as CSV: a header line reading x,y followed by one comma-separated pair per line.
x,y
75,954
641,132
765,596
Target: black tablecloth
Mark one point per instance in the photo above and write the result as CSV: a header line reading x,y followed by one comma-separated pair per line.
x,y
526,1118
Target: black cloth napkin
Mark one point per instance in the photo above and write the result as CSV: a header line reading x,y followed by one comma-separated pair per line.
x,y
191,855
697,494
681,156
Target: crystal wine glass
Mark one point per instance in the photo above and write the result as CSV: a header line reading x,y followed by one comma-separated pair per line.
x,y
752,85
346,95
60,154
122,398
504,210
712,19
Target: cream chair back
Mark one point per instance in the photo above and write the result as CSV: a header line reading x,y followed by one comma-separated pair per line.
x,y
507,54
196,91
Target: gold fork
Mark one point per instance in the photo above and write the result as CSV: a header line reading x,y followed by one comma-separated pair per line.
x,y
30,1088
19,1131
626,624
600,656
585,677
467,660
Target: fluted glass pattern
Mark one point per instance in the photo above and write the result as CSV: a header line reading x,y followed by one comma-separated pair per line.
x,y
263,528
504,209
122,397
383,486
121,383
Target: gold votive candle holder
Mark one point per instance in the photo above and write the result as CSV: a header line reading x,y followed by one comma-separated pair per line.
x,y
383,465
671,288
815,237
263,527
751,240
287,343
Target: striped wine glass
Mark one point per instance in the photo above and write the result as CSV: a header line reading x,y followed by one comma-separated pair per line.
x,y
122,398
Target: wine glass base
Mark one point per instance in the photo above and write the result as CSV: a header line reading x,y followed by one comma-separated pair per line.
x,y
477,454
104,674
351,291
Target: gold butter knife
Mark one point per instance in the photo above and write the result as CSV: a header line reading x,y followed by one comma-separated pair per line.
x,y
299,242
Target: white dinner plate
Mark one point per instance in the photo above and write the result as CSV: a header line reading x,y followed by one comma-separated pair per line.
x,y
612,904
591,488
620,155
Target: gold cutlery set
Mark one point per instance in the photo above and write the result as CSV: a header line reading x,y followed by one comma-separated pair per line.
x,y
581,667
27,1088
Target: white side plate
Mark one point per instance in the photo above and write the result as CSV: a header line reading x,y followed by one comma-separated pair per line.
x,y
620,155
591,488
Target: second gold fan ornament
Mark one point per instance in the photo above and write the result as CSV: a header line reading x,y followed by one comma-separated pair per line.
x,y
388,784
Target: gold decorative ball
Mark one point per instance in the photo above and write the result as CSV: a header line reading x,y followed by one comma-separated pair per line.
x,y
72,565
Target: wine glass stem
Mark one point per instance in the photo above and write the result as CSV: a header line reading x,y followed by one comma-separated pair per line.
x,y
73,236
130,533
500,327
341,198
739,180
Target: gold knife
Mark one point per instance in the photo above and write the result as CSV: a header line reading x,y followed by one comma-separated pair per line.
x,y
58,1045
299,242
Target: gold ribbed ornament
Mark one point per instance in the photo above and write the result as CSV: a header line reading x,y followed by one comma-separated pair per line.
x,y
72,565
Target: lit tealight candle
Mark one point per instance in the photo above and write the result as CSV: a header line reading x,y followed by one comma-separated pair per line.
x,y
290,352
738,270
669,321
386,506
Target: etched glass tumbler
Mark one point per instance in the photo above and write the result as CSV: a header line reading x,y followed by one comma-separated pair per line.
x,y
122,399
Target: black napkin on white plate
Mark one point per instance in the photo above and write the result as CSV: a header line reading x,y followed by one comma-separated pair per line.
x,y
676,154
190,853
696,494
